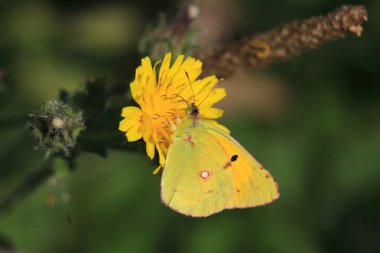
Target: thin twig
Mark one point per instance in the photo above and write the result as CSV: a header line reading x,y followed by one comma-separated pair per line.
x,y
284,42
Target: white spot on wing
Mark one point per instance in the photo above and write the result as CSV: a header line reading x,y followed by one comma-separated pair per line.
x,y
204,174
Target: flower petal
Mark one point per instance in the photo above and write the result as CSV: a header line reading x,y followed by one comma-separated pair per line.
x,y
125,125
148,78
136,88
131,112
214,96
134,134
146,68
164,66
192,67
203,88
161,154
176,65
150,149
158,169
211,113
132,117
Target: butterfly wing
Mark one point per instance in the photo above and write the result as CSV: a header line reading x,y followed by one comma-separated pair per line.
x,y
193,181
253,184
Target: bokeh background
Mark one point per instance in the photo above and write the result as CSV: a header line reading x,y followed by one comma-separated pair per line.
x,y
312,121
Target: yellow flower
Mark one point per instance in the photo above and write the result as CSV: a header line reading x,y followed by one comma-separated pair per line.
x,y
164,101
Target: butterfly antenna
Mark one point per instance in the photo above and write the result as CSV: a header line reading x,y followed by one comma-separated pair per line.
x,y
191,86
183,100
221,80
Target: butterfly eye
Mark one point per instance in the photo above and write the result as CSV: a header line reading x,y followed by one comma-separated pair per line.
x,y
194,110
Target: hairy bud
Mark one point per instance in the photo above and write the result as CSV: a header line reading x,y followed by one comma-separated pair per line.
x,y
56,127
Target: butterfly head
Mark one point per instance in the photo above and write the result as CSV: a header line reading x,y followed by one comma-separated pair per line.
x,y
193,110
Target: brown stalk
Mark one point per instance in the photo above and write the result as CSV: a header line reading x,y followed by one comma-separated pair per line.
x,y
284,42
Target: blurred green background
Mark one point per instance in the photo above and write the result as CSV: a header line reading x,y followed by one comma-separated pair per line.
x,y
312,121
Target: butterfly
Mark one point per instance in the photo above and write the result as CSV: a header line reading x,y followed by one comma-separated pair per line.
x,y
207,171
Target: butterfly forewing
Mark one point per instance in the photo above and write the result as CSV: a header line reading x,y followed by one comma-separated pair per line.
x,y
253,185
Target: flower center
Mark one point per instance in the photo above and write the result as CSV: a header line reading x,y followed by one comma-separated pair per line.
x,y
160,116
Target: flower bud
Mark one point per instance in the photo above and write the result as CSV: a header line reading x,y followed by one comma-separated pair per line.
x,y
56,127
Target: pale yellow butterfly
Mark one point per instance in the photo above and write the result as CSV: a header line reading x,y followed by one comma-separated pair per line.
x,y
207,171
